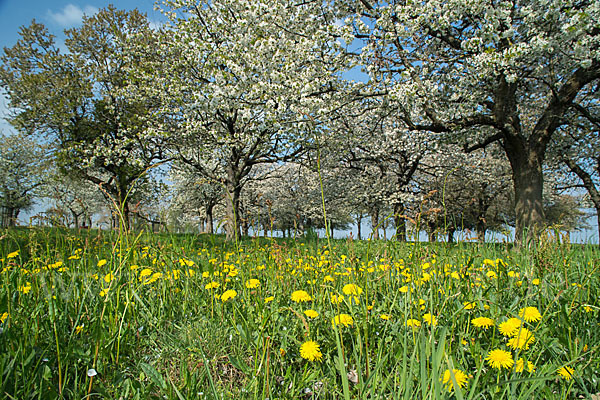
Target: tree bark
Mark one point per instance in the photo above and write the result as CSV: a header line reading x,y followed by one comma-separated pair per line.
x,y
528,181
126,215
9,216
232,225
209,219
245,227
481,230
400,222
375,223
431,232
451,232
358,224
75,219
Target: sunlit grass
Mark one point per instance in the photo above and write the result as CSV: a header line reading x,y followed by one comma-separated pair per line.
x,y
181,316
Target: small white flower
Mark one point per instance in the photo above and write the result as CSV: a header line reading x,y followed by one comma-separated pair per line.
x,y
91,372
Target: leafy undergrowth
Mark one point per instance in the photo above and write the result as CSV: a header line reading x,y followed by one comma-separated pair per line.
x,y
177,316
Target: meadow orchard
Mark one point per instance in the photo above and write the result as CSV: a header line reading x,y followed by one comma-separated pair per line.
x,y
273,318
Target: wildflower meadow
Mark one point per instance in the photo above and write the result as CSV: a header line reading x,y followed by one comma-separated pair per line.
x,y
98,314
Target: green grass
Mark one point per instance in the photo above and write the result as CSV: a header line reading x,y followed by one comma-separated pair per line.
x,y
146,323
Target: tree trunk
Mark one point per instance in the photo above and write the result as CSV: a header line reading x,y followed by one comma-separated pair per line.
x,y
375,223
431,233
202,225
232,223
481,230
6,216
209,219
15,215
126,215
528,181
75,219
245,227
358,224
400,222
451,232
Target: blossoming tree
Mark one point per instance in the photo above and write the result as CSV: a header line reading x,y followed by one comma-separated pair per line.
x,y
75,99
242,82
509,72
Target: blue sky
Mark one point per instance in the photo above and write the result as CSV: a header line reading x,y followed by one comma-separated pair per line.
x,y
56,15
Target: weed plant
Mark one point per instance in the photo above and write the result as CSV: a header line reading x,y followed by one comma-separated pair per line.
x,y
97,314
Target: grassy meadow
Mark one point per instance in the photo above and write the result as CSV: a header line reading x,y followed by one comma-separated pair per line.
x,y
107,315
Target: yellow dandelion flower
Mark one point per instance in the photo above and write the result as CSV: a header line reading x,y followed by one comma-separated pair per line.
x,y
109,277
500,359
269,299
482,322
414,323
530,314
352,290
469,305
426,277
459,376
520,366
403,289
300,296
103,292
491,275
101,263
212,285
535,282
13,254
328,278
385,317
566,372
522,339
510,327
342,319
252,283
430,319
3,317
228,294
155,276
78,329
337,298
310,351
26,288
144,273
311,314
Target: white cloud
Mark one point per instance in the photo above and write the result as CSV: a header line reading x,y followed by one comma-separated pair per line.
x,y
71,15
